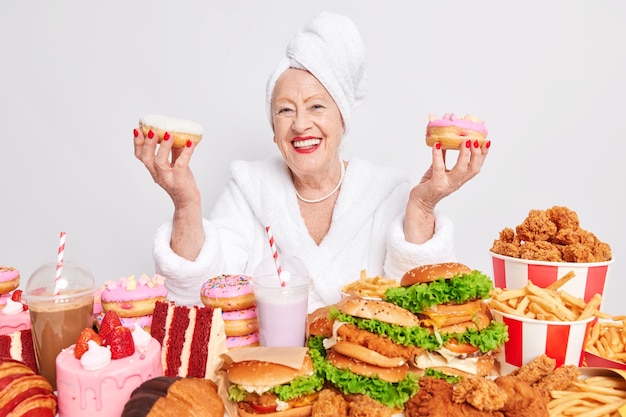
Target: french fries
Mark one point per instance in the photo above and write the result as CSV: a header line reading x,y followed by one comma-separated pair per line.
x,y
590,397
550,303
372,287
608,339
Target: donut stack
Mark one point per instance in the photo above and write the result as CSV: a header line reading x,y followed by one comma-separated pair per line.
x,y
233,294
133,299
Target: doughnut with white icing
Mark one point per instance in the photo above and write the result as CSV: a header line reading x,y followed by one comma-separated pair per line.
x,y
180,130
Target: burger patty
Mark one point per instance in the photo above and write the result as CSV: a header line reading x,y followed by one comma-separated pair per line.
x,y
382,345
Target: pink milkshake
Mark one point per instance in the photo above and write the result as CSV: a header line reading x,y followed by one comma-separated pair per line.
x,y
281,311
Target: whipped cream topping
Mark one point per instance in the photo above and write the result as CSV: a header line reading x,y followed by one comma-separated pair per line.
x,y
96,357
140,336
12,307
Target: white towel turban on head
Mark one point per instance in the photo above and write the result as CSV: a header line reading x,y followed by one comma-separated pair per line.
x,y
329,47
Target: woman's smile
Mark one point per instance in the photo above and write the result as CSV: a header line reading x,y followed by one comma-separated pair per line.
x,y
306,145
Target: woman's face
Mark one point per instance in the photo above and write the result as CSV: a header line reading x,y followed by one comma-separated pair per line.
x,y
307,123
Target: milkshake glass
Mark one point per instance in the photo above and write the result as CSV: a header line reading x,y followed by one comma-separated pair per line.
x,y
57,320
282,310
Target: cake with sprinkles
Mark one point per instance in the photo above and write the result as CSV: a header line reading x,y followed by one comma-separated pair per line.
x,y
192,339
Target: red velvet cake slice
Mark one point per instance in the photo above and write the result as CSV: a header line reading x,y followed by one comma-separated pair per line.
x,y
19,346
192,339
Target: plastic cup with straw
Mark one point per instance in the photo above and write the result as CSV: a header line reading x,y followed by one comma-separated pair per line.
x,y
281,308
60,299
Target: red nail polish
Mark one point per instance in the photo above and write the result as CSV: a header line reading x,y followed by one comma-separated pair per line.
x,y
468,143
135,132
437,145
166,136
476,145
189,144
150,134
488,144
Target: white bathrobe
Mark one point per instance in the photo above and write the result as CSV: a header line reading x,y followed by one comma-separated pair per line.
x,y
366,232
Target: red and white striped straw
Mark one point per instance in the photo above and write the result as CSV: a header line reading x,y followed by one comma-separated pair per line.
x,y
59,270
279,268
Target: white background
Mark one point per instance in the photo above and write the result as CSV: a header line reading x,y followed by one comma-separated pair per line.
x,y
548,77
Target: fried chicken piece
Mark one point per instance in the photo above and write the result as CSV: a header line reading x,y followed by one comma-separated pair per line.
x,y
578,253
382,345
482,393
558,380
541,251
329,404
507,244
434,399
534,370
523,400
563,217
536,227
364,406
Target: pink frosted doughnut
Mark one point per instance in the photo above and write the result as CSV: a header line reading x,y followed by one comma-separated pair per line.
x,y
228,292
248,340
451,132
240,322
9,279
130,297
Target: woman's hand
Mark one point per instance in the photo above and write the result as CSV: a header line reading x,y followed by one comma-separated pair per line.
x,y
437,183
176,178
174,175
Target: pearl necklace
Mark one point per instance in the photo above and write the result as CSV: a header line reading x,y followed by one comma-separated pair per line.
x,y
333,191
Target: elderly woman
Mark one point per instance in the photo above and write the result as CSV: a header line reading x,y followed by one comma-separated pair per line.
x,y
337,216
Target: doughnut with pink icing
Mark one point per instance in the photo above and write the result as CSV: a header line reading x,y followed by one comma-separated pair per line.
x,y
248,340
130,297
240,322
228,292
9,279
453,132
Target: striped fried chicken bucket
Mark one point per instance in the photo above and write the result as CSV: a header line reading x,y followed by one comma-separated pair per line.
x,y
528,338
589,278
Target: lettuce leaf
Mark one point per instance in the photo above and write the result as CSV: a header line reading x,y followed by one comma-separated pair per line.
x,y
393,395
422,296
300,386
490,338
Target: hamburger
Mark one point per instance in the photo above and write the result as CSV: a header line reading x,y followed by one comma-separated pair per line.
x,y
448,298
367,349
269,389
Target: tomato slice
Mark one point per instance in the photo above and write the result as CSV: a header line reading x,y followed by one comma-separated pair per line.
x,y
261,408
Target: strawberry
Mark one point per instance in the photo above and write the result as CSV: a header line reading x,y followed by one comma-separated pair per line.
x,y
17,297
81,344
109,322
121,343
